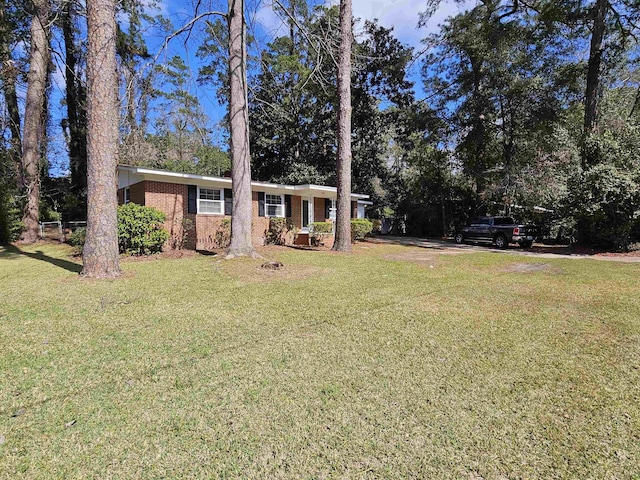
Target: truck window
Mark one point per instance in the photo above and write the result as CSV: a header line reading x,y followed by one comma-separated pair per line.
x,y
503,221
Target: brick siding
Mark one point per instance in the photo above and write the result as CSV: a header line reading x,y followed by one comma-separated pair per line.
x,y
203,231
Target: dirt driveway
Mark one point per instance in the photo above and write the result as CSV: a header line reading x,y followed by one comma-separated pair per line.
x,y
538,251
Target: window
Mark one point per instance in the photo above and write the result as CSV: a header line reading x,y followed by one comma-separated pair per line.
x,y
210,201
274,205
127,195
332,210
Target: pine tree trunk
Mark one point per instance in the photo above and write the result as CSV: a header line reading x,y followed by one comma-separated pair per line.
x,y
241,244
343,214
39,55
76,115
8,75
100,254
594,71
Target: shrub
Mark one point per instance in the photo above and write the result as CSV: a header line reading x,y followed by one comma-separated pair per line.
x,y
604,200
78,237
10,218
360,228
318,231
281,231
223,234
140,229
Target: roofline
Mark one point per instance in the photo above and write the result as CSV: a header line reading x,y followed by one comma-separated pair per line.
x,y
193,176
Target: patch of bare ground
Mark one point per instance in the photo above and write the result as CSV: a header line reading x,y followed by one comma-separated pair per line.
x,y
251,271
422,256
531,268
165,255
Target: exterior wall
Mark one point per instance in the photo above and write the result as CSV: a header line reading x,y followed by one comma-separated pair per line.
x,y
318,210
137,193
260,224
296,211
172,200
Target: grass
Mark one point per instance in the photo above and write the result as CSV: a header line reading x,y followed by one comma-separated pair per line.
x,y
392,362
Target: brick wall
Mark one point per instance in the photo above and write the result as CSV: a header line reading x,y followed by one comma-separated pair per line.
x,y
136,193
260,224
318,210
296,211
172,200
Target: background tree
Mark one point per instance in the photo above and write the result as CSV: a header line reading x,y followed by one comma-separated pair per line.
x,y
100,254
343,172
34,118
241,243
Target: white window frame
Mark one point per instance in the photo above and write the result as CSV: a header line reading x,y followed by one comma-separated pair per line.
x,y
333,210
126,195
219,202
311,213
280,207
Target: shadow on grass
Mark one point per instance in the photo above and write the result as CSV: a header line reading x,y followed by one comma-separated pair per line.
x,y
8,251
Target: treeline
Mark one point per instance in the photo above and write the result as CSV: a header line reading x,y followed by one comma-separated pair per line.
x,y
525,108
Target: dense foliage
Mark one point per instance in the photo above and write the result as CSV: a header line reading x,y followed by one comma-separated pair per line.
x,y
523,108
140,229
360,228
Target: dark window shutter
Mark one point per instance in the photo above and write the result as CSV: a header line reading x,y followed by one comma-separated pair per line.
x,y
261,204
287,206
193,199
327,208
353,209
228,201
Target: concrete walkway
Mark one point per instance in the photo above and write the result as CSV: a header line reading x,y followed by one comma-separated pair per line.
x,y
537,251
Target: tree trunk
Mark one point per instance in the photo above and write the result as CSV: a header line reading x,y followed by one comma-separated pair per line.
x,y
9,74
39,55
343,214
241,244
594,72
76,115
100,254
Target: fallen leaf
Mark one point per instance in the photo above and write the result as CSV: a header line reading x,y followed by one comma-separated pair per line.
x,y
2,439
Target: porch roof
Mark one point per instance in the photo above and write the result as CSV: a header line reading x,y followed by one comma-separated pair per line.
x,y
128,175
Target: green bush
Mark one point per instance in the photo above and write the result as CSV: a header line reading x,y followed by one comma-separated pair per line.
x,y
10,218
360,228
78,237
140,229
604,204
281,231
318,231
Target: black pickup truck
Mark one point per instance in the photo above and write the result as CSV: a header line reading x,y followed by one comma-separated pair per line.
x,y
501,231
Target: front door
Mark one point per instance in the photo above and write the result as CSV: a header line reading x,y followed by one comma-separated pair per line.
x,y
307,213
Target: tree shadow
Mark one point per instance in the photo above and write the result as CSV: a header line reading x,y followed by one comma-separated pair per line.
x,y
8,251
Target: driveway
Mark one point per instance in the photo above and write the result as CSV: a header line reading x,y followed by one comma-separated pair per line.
x,y
537,251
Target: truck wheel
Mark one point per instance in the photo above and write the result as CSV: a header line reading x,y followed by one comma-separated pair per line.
x,y
500,241
459,238
526,244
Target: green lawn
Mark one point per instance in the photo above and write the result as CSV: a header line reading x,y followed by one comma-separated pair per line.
x,y
392,362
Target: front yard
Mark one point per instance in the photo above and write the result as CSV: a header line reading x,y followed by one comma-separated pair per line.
x,y
391,362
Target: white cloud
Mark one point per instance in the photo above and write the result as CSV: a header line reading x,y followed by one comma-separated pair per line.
x,y
402,15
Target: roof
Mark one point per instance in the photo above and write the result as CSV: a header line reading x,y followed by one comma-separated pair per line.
x,y
128,175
